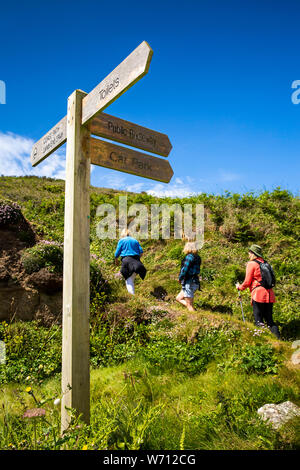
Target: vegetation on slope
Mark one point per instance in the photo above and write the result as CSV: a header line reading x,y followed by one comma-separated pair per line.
x,y
161,378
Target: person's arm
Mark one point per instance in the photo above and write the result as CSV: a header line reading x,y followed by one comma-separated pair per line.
x,y
141,249
118,249
249,277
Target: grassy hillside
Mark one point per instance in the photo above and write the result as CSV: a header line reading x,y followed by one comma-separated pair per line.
x,y
162,378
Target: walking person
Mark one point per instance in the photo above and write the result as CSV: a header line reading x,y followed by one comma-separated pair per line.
x,y
189,276
262,295
130,250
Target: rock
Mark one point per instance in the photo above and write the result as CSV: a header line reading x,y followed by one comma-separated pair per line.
x,y
17,302
45,281
296,357
277,415
26,297
296,344
49,310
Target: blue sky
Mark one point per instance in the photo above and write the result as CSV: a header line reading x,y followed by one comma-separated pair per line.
x,y
219,84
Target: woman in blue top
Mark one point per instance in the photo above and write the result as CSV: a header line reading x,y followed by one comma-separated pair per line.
x,y
130,250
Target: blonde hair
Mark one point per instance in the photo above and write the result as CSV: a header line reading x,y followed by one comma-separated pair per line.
x,y
125,233
190,247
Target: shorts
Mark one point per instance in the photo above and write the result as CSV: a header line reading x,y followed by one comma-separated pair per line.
x,y
189,289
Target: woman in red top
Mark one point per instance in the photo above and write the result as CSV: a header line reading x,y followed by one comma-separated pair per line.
x,y
262,299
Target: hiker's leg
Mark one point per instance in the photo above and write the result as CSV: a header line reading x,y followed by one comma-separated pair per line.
x,y
130,283
186,301
188,290
257,313
190,303
180,298
270,322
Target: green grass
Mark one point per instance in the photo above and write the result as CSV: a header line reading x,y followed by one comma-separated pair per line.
x,y
133,409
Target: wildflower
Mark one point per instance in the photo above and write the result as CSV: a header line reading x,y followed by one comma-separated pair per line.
x,y
56,402
29,390
34,413
84,447
28,378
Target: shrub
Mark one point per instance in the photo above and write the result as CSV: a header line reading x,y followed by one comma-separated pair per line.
x,y
168,353
99,287
234,273
10,213
259,359
235,229
43,255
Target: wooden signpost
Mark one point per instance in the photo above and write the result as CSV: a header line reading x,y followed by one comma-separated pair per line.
x,y
109,127
84,118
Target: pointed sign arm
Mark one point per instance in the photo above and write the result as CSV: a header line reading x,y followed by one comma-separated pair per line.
x,y
128,160
128,133
126,74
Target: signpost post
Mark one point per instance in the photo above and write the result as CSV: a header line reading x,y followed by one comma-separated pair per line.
x,y
82,120
76,275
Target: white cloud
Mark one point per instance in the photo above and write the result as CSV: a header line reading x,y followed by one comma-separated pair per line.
x,y
135,188
15,153
110,179
171,190
181,187
178,181
190,180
